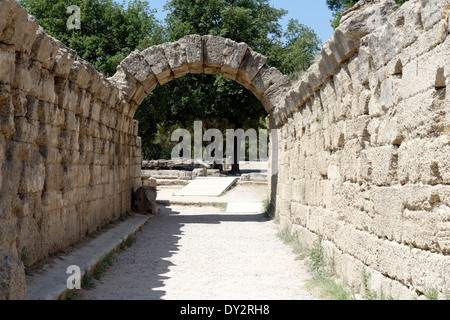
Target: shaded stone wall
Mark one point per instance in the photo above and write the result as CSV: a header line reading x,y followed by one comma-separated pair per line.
x,y
365,154
69,151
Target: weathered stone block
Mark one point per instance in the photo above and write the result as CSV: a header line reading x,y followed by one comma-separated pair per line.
x,y
64,61
194,53
12,279
250,66
233,55
175,53
136,65
45,48
82,73
160,66
276,94
214,48
5,11
266,78
7,63
125,82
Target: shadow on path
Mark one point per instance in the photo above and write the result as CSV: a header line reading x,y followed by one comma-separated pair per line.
x,y
139,272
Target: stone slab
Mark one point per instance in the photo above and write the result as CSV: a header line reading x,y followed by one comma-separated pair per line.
x,y
245,207
52,283
211,187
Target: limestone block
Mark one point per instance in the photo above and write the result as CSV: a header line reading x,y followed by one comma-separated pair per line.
x,y
175,53
45,48
276,94
365,17
136,65
7,126
48,86
160,66
421,115
349,160
194,53
424,160
7,63
64,60
82,73
32,178
326,63
300,213
341,46
389,133
11,177
137,98
271,121
250,66
381,165
233,55
48,136
385,45
5,10
214,53
21,29
19,100
97,82
304,89
12,278
314,76
359,68
292,101
26,130
50,114
266,78
430,12
23,79
125,82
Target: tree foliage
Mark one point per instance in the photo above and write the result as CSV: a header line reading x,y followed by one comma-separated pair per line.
x,y
109,31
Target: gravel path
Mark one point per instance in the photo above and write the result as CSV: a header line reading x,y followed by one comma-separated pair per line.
x,y
192,253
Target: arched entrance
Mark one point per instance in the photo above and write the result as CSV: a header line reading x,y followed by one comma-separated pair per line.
x,y
142,71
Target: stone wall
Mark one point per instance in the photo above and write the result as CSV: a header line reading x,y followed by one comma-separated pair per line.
x,y
363,141
69,151
364,149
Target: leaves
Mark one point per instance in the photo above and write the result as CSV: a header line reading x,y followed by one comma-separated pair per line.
x,y
109,31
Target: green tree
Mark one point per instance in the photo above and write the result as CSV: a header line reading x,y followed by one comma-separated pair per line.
x,y
220,102
109,31
340,6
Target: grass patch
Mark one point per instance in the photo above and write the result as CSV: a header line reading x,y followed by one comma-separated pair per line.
x,y
432,294
25,258
87,283
327,288
104,264
221,205
128,242
323,282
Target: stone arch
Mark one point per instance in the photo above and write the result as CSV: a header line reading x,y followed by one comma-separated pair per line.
x,y
141,72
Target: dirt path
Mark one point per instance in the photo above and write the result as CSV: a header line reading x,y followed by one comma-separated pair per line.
x,y
192,253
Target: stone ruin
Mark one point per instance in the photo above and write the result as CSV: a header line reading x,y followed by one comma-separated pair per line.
x,y
362,157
